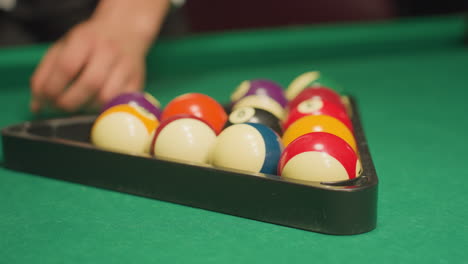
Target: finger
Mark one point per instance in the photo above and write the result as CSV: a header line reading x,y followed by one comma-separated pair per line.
x,y
120,81
39,77
93,106
35,105
136,81
134,84
71,58
43,69
90,81
115,84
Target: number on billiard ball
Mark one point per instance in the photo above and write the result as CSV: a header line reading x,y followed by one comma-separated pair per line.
x,y
261,102
323,93
309,79
255,115
317,106
260,87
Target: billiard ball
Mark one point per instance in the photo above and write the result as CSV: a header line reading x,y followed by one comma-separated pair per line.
x,y
261,102
318,123
254,115
323,93
308,79
248,147
260,87
319,157
317,106
184,138
125,129
137,99
199,105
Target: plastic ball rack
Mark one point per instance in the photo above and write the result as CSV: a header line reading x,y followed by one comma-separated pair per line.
x,y
60,149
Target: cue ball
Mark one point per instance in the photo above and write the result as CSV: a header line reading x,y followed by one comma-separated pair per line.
x,y
262,102
248,147
184,138
308,79
254,115
125,129
140,99
317,106
319,123
199,105
320,157
260,87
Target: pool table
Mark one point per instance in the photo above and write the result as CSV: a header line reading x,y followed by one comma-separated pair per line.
x,y
410,80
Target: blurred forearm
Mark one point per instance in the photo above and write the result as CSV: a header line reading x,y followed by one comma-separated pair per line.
x,y
140,19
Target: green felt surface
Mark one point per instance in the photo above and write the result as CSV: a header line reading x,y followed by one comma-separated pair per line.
x,y
411,82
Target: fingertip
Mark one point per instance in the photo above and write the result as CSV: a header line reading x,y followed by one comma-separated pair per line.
x,y
35,106
105,95
134,85
66,105
43,69
93,106
35,84
51,94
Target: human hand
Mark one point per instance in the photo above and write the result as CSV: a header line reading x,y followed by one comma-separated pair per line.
x,y
94,62
88,64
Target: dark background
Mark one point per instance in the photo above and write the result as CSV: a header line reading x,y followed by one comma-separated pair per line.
x,y
34,21
212,15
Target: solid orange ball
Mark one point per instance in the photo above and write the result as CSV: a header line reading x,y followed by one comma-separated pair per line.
x,y
319,123
199,105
